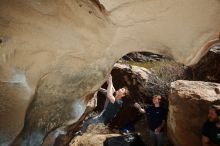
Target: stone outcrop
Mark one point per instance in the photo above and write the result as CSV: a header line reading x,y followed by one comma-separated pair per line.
x,y
12,108
208,68
94,136
66,48
188,108
144,57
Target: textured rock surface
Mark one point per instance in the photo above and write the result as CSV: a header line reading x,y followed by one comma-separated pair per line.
x,y
208,68
67,48
63,135
189,102
94,136
12,108
143,57
167,27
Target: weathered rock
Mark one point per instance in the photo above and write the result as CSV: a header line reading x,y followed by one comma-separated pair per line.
x,y
95,136
14,97
188,107
67,48
208,68
143,57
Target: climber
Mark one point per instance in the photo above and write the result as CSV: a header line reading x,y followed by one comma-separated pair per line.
x,y
211,128
156,120
111,108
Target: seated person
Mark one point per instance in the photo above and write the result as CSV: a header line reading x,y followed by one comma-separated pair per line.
x,y
211,129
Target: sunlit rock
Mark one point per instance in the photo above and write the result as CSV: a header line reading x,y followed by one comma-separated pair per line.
x,y
207,69
189,102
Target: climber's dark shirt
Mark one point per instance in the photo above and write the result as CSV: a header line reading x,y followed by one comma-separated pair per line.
x,y
155,116
212,132
111,110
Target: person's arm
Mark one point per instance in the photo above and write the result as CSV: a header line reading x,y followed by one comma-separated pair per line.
x,y
206,141
162,125
110,90
102,90
141,110
205,134
113,89
157,130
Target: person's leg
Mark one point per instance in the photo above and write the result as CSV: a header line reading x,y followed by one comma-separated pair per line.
x,y
160,139
152,138
88,122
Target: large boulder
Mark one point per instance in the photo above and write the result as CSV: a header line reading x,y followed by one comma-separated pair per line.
x,y
207,69
67,48
189,102
94,136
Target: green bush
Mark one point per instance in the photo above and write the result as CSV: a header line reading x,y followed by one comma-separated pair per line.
x,y
147,65
170,71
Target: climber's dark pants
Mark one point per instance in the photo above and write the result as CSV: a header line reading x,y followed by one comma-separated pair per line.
x,y
94,120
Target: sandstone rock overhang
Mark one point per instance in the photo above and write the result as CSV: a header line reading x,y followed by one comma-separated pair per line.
x,y
64,32
67,48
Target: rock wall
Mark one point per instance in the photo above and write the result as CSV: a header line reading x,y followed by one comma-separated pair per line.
x,y
207,69
143,57
65,49
189,102
13,104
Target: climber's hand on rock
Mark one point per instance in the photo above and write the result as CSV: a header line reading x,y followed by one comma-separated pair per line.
x,y
137,105
109,79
